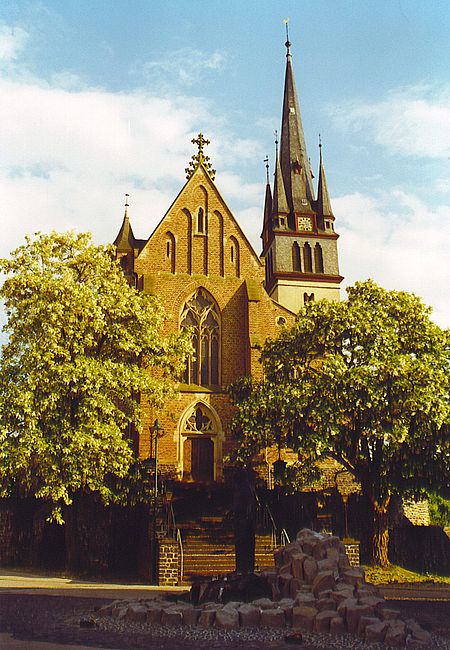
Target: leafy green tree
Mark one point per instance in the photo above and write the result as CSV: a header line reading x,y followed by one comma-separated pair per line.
x,y
364,381
82,346
439,507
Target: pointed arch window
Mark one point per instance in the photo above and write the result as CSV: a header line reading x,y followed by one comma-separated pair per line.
x,y
201,314
296,257
318,258
170,251
234,256
307,258
201,220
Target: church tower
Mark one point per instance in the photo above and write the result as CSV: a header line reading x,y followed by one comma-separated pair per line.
x,y
299,240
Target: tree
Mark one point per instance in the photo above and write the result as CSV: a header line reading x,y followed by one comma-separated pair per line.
x,y
82,346
364,381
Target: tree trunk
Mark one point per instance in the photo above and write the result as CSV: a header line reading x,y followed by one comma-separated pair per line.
x,y
380,534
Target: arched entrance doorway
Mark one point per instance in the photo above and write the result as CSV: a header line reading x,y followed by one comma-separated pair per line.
x,y
199,444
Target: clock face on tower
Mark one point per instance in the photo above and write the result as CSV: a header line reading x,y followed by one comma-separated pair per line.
x,y
304,223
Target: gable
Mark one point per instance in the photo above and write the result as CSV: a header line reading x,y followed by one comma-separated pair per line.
x,y
199,235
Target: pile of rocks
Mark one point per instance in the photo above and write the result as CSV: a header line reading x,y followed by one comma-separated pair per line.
x,y
313,589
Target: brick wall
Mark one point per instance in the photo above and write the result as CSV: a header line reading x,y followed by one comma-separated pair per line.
x,y
169,563
222,262
352,550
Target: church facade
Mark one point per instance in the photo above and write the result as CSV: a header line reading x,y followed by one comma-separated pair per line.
x,y
200,262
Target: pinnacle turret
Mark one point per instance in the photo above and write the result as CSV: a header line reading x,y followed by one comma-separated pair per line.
x,y
267,221
280,207
323,203
125,239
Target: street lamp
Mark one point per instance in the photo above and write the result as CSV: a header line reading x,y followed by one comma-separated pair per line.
x,y
155,431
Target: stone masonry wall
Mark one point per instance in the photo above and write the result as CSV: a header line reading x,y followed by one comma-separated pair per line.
x,y
169,563
352,550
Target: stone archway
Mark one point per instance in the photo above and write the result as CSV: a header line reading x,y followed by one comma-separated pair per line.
x,y
200,444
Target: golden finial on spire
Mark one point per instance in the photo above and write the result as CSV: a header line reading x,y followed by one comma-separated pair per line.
x,y
288,43
199,158
126,205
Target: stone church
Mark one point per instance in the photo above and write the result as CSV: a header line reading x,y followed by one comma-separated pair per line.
x,y
200,262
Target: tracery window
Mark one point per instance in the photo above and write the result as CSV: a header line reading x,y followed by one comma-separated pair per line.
x,y
199,421
201,315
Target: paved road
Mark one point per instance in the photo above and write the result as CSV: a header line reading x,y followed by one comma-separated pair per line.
x,y
7,642
12,581
34,607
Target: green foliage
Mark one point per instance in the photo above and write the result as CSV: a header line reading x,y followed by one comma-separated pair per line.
x,y
365,381
396,574
82,345
439,509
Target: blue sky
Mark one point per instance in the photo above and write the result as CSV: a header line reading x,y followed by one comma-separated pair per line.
x,y
99,98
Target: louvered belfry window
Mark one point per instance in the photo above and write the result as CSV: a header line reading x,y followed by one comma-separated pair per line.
x,y
201,315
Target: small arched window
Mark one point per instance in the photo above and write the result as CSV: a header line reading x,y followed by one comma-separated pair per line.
x,y
296,258
202,316
170,251
234,256
318,258
200,220
307,258
308,297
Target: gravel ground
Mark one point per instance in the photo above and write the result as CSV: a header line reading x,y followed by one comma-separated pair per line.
x,y
57,619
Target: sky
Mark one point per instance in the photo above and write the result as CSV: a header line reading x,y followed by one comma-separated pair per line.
x,y
99,98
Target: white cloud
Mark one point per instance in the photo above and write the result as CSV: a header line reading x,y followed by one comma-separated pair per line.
x,y
12,41
413,121
68,157
400,242
185,66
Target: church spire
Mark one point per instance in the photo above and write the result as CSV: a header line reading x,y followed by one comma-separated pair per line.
x,y
294,160
323,203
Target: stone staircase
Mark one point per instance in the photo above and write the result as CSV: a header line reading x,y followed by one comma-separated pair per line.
x,y
209,551
208,542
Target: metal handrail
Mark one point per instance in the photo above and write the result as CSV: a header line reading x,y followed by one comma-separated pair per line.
x,y
174,532
263,507
171,522
284,537
180,546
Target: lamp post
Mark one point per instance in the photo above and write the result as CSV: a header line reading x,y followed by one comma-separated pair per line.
x,y
155,431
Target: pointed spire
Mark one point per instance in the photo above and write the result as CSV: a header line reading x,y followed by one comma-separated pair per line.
x,y
323,203
125,240
267,222
293,155
280,203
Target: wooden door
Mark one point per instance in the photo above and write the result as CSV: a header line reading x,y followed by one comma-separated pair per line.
x,y
202,459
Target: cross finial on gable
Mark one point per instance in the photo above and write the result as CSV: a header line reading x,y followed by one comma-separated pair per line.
x,y
200,158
